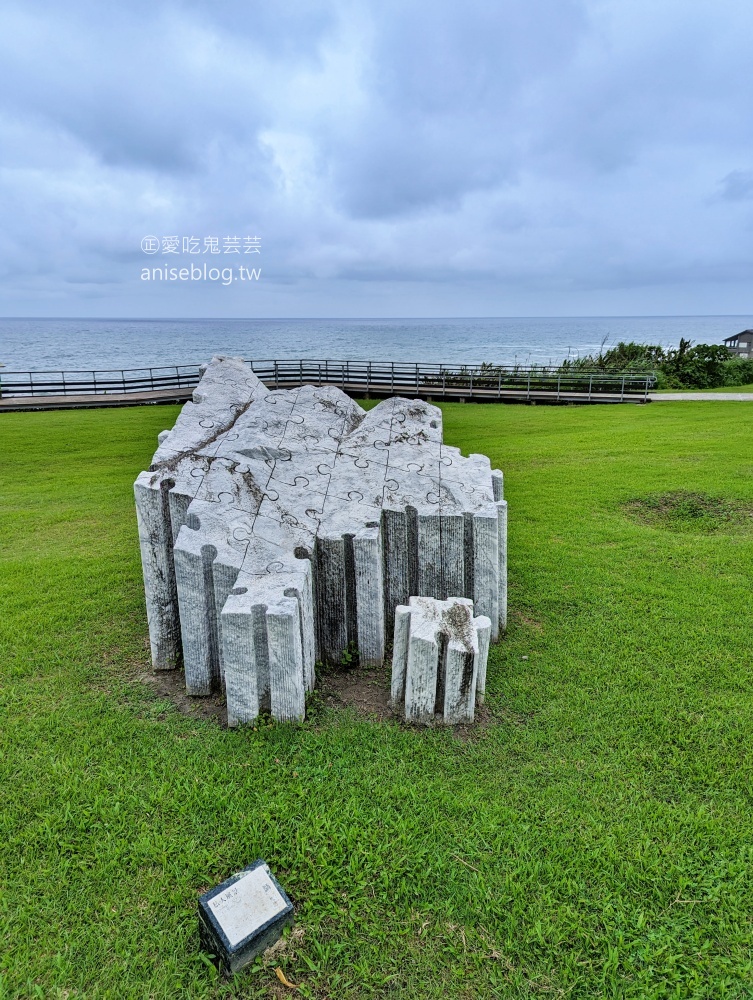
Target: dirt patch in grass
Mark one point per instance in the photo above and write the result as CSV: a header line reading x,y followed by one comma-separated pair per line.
x,y
366,689
526,620
171,684
685,510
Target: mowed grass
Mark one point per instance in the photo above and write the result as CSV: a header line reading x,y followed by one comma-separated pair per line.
x,y
594,840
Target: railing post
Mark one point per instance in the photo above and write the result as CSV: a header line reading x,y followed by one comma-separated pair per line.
x,y
528,394
63,381
444,378
499,386
558,387
622,392
590,384
277,383
392,379
417,377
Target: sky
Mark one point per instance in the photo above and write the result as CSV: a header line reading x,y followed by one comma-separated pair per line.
x,y
391,158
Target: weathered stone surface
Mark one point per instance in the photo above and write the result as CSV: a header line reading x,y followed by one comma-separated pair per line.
x,y
281,527
439,659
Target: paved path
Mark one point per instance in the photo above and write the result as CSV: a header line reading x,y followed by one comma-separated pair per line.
x,y
658,397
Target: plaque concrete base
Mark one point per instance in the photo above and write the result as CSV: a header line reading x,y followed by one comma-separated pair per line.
x,y
439,660
244,916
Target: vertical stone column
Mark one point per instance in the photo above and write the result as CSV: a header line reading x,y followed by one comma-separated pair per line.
x,y
367,549
239,654
263,650
498,485
156,542
429,554
502,528
395,541
207,559
198,613
287,692
486,566
331,586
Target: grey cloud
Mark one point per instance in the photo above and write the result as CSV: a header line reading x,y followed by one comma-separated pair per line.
x,y
441,88
149,85
737,185
539,145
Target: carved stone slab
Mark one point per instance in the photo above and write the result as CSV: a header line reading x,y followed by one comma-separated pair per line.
x,y
278,528
439,660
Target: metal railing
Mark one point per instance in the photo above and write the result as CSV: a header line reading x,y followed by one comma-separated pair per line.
x,y
394,378
82,383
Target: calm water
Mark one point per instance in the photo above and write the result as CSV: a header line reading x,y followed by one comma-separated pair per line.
x,y
74,344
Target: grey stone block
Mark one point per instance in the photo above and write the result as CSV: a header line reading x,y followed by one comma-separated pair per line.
x,y
281,527
439,657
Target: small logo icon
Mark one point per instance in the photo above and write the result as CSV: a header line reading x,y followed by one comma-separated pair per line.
x,y
150,244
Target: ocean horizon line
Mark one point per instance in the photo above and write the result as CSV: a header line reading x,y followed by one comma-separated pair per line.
x,y
106,344
374,319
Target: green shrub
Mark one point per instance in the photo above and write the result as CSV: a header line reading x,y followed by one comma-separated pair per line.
x,y
705,366
738,371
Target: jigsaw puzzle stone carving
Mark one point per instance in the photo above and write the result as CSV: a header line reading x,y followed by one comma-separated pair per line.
x,y
282,527
439,660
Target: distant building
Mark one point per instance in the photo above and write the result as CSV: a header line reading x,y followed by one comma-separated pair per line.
x,y
741,344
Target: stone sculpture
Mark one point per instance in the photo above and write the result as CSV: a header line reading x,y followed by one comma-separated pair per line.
x,y
439,660
281,527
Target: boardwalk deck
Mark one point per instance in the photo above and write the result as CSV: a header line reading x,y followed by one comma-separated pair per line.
x,y
68,390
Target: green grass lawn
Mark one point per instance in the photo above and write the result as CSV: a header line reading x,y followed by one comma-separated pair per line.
x,y
594,840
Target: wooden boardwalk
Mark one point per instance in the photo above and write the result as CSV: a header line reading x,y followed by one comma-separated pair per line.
x,y
164,396
478,384
91,401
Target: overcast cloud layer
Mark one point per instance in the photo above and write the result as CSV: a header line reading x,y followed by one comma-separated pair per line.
x,y
396,158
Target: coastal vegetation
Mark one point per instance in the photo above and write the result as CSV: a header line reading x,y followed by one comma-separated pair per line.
x,y
705,366
591,837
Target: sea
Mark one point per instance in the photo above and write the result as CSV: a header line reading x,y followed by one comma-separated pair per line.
x,y
102,344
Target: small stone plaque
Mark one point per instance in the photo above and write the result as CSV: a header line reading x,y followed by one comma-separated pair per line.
x,y
244,915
